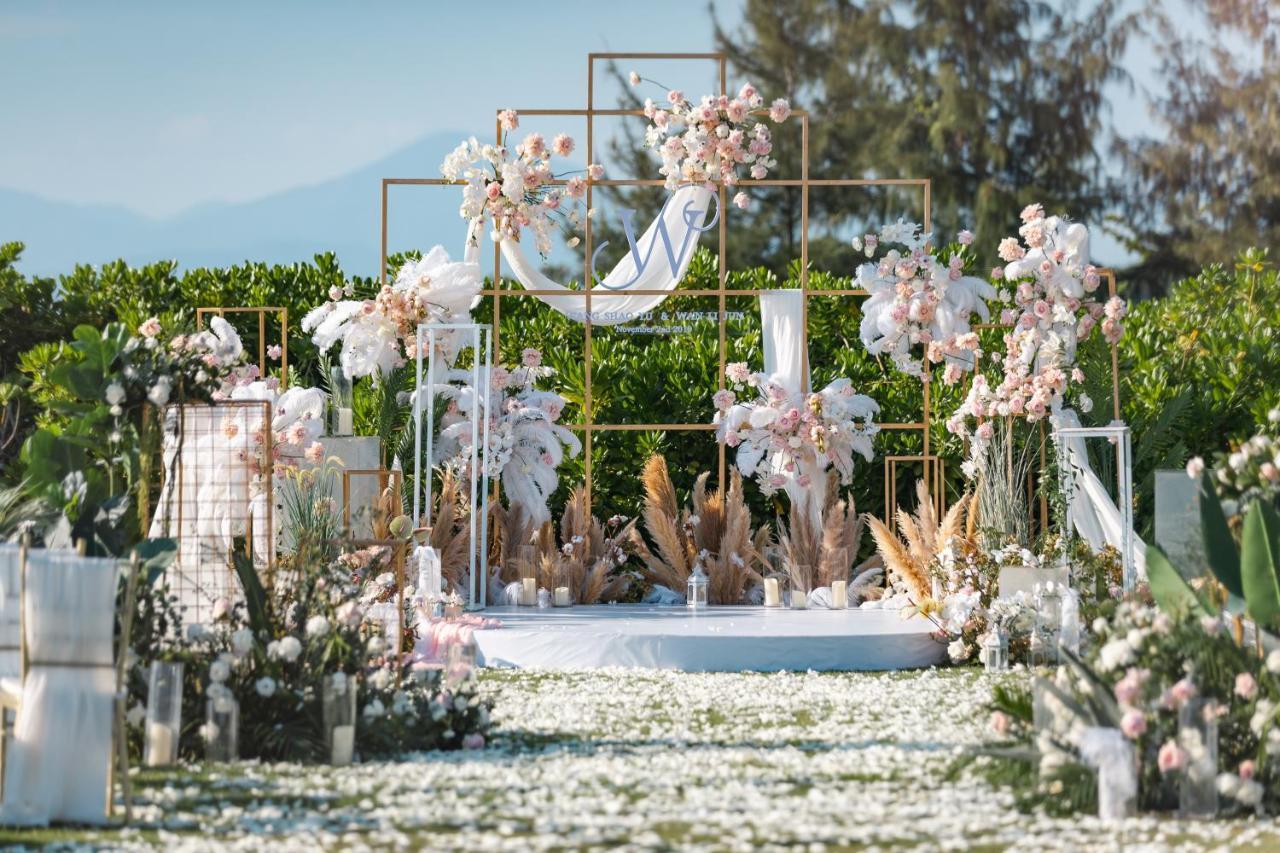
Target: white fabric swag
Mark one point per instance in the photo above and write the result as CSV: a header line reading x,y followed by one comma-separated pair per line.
x,y
682,217
57,769
10,602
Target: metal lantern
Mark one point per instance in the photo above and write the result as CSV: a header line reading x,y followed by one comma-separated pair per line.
x,y
1048,626
696,593
995,650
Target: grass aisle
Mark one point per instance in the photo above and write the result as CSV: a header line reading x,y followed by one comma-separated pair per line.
x,y
654,760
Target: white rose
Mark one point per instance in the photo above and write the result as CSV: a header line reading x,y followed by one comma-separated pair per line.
x,y
317,626
1273,662
265,686
242,642
289,648
219,671
115,393
159,393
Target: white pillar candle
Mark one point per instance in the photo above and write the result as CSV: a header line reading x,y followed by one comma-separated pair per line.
x,y
839,595
562,596
346,422
529,593
771,597
799,598
343,746
160,745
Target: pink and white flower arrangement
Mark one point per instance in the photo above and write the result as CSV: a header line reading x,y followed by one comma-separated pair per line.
x,y
1052,288
380,334
515,189
921,302
526,441
711,142
783,437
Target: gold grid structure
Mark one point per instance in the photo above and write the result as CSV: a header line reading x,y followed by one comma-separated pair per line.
x,y
588,427
282,313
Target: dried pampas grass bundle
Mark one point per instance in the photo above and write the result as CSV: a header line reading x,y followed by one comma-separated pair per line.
x,y
716,529
909,560
815,555
587,558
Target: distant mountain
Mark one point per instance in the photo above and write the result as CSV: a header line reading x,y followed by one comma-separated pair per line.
x,y
339,215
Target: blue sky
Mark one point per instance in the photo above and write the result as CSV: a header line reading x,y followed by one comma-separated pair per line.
x,y
160,107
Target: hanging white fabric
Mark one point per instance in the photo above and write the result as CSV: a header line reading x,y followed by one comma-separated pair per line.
x,y
783,330
1089,505
664,249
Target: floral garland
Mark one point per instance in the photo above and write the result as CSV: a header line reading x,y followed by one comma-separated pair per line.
x,y
526,442
1053,309
920,298
792,433
380,334
706,143
516,190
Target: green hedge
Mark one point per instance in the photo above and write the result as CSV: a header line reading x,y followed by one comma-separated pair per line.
x,y
1198,367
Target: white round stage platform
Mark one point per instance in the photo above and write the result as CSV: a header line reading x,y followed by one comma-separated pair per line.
x,y
719,639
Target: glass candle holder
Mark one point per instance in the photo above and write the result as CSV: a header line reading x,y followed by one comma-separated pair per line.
x,y
772,592
696,588
1048,626
461,662
1198,738
528,576
222,729
339,710
800,595
341,402
164,714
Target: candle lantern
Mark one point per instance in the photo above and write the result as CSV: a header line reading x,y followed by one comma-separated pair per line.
x,y
696,592
164,714
341,402
529,576
1198,738
995,650
339,710
222,729
1048,625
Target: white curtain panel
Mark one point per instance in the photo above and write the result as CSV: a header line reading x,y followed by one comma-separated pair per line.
x,y
683,216
10,601
61,751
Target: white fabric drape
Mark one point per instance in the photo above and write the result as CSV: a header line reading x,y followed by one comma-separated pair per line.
x,y
1089,505
57,769
782,327
10,602
683,218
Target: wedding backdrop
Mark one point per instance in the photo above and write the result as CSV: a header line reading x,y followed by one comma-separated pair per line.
x,y
336,561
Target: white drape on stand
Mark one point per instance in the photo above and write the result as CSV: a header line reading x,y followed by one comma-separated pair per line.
x,y
57,770
10,602
683,218
1089,505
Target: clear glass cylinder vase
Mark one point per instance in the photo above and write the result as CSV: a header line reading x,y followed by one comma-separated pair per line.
x,y
222,729
164,714
1198,739
341,403
339,708
1048,626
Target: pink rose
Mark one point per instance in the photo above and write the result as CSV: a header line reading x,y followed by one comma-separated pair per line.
x,y
314,452
965,237
779,110
274,351
1000,722
508,119
531,357
1133,724
741,201
150,328
562,144
595,171
1009,250
1031,212
1171,757
1247,769
1246,686
1183,691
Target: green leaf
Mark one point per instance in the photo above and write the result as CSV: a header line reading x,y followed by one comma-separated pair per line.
x,y
255,595
50,457
1170,589
156,555
1219,544
1260,547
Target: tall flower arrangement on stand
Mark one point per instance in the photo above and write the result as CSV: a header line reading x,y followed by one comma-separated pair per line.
x,y
710,142
921,302
784,438
526,441
514,190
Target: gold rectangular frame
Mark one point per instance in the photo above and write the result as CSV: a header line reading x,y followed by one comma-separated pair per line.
x,y
262,313
497,292
386,477
934,474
